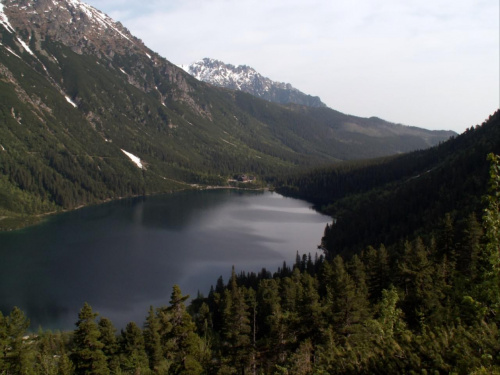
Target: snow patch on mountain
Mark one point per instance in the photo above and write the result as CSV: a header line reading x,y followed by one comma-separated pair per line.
x,y
68,99
136,160
10,50
4,20
25,46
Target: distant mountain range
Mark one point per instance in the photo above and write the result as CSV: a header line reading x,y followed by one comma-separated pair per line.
x,y
89,113
247,79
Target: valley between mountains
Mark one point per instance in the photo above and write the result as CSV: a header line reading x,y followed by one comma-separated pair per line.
x,y
406,277
89,113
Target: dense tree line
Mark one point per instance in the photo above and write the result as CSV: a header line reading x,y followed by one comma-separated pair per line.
x,y
430,306
392,199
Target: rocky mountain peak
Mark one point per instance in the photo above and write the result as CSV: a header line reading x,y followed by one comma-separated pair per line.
x,y
30,25
71,22
247,79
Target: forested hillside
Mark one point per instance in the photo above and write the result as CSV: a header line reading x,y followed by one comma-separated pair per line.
x,y
409,281
431,306
427,304
391,199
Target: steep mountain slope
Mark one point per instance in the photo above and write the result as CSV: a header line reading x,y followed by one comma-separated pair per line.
x,y
89,113
247,79
393,199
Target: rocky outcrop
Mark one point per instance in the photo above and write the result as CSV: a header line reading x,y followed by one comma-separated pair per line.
x,y
246,79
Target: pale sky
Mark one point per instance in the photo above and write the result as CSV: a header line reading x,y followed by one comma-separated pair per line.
x,y
427,63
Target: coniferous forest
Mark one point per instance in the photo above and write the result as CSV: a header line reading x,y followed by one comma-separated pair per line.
x,y
425,302
407,276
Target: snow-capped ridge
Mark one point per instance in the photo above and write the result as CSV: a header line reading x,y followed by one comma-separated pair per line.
x,y
73,22
247,79
97,15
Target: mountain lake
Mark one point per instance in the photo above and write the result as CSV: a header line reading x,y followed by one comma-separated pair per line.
x,y
123,256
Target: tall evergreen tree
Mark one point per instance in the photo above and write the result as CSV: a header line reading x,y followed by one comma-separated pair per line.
x,y
421,283
378,275
4,343
357,270
110,344
88,356
180,340
152,340
236,330
47,361
468,248
309,310
134,357
344,305
20,359
272,324
488,265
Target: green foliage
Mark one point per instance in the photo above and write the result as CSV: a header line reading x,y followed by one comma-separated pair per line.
x,y
152,340
392,199
133,352
426,303
88,356
489,259
110,344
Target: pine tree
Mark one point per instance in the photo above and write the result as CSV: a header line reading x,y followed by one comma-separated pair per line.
x,y
357,270
203,320
310,310
88,356
469,247
46,358
236,329
181,341
377,271
134,357
4,342
110,344
152,340
272,321
65,366
421,283
301,361
20,358
344,306
487,291
445,239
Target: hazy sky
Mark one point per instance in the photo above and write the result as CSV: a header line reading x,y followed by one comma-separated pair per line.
x,y
428,63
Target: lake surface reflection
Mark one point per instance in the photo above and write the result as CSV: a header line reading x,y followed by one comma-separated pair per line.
x,y
124,256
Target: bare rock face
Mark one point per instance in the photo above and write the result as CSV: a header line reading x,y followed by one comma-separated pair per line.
x,y
247,79
88,31
73,23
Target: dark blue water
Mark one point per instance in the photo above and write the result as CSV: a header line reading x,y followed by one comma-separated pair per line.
x,y
124,256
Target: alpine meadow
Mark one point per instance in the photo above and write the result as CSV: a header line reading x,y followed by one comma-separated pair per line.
x,y
405,280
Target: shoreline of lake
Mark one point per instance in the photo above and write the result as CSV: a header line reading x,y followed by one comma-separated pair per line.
x,y
26,221
123,256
